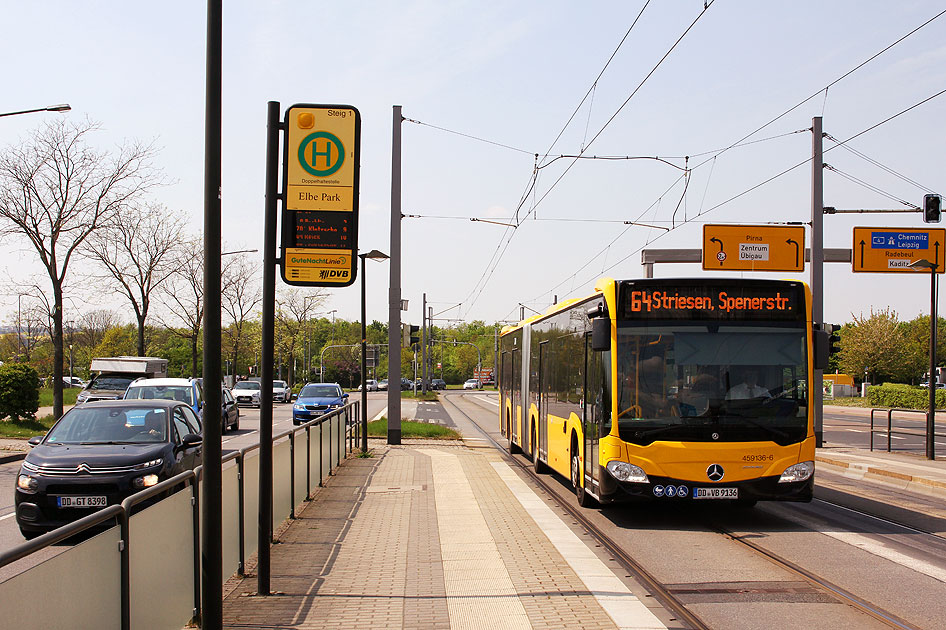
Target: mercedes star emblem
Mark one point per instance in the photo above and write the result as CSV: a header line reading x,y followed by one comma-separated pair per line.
x,y
715,472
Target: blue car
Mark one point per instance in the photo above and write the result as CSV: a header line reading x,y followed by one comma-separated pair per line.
x,y
317,399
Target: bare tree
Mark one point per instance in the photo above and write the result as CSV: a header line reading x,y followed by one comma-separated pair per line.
x,y
95,324
136,248
240,294
56,190
294,307
185,292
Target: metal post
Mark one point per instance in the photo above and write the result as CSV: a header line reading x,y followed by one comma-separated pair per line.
x,y
423,340
364,363
816,268
265,522
931,416
211,545
394,290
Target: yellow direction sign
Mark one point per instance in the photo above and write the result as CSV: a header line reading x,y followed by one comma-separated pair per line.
x,y
753,247
893,250
320,195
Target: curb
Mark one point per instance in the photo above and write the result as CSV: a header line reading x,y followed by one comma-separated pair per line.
x,y
13,457
927,486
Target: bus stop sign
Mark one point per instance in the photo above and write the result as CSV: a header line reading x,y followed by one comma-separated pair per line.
x,y
320,195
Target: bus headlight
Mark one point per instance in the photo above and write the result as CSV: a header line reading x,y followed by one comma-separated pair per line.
x,y
799,472
622,471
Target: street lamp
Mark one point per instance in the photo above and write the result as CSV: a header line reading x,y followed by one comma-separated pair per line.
x,y
931,416
373,255
64,107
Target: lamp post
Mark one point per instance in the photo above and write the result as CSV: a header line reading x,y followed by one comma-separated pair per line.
x,y
931,415
373,255
63,107
70,365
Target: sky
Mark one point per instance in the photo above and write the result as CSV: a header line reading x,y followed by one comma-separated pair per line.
x,y
486,86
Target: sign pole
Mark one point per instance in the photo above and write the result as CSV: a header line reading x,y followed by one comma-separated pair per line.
x,y
265,522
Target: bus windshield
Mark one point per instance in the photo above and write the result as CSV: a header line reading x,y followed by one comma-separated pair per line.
x,y
710,381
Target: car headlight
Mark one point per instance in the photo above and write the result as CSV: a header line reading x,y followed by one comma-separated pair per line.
x,y
622,471
27,484
151,464
298,407
145,482
799,472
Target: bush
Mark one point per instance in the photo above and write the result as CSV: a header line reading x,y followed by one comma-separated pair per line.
x,y
19,391
903,396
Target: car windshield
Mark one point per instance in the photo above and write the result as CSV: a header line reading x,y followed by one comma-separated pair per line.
x,y
246,385
694,382
279,384
182,393
320,391
111,382
107,425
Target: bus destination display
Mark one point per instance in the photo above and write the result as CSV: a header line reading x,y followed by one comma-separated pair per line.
x,y
728,302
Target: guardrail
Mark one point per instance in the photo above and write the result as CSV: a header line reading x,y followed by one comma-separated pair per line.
x,y
890,431
158,580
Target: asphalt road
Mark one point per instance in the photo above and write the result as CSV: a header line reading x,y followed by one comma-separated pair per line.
x,y
248,435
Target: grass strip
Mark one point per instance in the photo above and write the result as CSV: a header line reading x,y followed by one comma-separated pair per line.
x,y
25,428
411,429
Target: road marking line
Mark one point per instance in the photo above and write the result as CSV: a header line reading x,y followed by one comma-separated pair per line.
x,y
871,546
380,413
6,516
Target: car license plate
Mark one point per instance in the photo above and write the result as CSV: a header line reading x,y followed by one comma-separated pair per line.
x,y
81,502
715,493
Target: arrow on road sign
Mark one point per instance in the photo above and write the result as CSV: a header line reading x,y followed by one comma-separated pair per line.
x,y
795,243
719,257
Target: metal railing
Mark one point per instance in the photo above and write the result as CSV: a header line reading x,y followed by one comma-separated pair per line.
x,y
163,526
890,431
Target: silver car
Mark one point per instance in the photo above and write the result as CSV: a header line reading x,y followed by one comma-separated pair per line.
x,y
246,393
281,392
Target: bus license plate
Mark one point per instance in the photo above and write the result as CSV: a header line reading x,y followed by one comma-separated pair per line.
x,y
81,502
715,493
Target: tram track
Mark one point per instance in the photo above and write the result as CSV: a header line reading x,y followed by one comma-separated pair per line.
x,y
664,595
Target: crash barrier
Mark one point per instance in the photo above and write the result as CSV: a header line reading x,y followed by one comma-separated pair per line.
x,y
149,553
891,430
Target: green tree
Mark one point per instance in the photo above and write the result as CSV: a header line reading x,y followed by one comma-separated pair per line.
x,y
876,345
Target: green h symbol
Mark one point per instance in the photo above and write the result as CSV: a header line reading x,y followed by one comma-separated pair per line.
x,y
327,154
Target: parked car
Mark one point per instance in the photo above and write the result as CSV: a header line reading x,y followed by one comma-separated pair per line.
x,y
317,399
406,384
281,392
185,390
472,383
247,393
383,384
100,453
371,385
72,381
438,383
230,411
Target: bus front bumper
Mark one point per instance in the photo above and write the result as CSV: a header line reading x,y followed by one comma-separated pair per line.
x,y
669,489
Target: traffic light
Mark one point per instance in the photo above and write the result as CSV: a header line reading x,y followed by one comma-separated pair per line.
x,y
826,343
410,335
932,205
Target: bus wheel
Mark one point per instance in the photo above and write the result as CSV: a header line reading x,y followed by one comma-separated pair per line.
x,y
537,465
583,499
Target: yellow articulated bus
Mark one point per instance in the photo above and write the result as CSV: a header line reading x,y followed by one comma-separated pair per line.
x,y
668,389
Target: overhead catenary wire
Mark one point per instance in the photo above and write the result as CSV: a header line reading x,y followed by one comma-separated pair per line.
x,y
484,279
745,192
